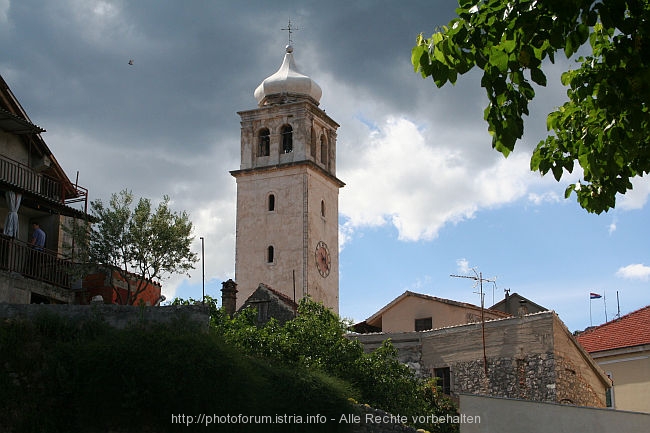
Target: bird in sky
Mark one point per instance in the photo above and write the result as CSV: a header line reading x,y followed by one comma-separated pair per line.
x,y
131,62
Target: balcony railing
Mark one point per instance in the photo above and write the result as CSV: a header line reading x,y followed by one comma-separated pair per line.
x,y
47,266
28,179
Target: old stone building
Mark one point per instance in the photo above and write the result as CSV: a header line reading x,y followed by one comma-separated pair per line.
x,y
287,192
517,305
271,303
532,357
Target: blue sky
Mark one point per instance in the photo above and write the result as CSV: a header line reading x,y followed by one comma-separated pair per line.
x,y
425,194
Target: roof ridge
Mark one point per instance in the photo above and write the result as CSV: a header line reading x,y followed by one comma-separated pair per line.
x,y
613,321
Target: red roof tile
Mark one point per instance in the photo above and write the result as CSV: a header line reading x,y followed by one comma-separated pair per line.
x,y
630,330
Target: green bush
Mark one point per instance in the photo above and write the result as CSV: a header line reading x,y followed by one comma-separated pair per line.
x,y
315,339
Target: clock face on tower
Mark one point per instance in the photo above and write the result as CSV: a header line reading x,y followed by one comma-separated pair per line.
x,y
322,256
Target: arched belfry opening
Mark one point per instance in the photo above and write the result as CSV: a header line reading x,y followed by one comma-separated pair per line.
x,y
264,142
286,135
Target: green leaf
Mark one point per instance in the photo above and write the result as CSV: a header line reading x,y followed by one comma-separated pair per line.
x,y
538,76
509,45
569,190
418,54
499,59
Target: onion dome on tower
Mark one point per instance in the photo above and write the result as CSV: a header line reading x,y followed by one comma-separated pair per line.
x,y
287,85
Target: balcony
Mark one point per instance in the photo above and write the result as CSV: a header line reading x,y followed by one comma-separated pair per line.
x,y
31,181
47,266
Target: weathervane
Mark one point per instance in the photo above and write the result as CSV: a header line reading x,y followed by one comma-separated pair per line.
x,y
290,30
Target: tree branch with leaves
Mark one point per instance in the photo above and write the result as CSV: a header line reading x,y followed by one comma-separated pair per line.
x,y
603,126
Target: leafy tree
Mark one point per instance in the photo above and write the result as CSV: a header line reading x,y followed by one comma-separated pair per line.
x,y
139,243
604,124
315,340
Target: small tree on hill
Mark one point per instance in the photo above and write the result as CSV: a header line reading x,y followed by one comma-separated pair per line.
x,y
138,243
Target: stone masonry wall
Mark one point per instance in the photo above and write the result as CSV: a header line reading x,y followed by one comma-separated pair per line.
x,y
529,378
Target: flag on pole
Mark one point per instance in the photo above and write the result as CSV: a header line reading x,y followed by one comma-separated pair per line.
x,y
593,295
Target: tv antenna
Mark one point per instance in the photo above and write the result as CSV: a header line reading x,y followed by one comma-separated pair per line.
x,y
478,277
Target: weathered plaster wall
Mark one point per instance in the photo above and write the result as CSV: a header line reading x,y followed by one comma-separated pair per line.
x,y
16,289
577,380
401,317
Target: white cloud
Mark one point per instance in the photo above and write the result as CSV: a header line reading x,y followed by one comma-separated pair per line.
x,y
546,197
612,227
636,271
463,266
637,197
407,176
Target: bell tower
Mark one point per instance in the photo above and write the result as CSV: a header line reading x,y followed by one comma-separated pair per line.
x,y
287,192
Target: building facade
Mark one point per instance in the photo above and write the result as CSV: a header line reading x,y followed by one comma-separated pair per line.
x,y
412,311
33,189
532,357
621,347
287,192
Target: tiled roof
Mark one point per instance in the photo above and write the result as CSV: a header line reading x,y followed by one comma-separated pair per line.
x,y
284,298
633,329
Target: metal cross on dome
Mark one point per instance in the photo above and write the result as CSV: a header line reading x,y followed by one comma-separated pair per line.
x,y
290,29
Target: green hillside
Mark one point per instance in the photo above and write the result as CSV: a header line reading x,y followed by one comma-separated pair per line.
x,y
57,375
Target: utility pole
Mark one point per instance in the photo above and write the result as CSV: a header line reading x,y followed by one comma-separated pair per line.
x,y
478,277
203,269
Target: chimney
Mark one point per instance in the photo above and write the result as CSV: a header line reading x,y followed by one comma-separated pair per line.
x,y
229,296
523,308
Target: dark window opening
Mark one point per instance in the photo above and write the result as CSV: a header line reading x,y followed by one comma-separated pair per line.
x,y
271,202
270,254
423,324
262,312
264,143
443,376
322,208
609,393
287,139
323,149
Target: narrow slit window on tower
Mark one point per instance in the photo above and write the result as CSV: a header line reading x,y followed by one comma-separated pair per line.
x,y
264,143
271,202
322,208
287,139
270,254
323,149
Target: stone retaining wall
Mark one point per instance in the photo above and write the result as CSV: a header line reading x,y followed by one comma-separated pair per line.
x,y
118,316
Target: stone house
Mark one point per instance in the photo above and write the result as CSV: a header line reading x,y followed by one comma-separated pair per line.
x,y
532,357
517,305
621,347
412,311
270,303
34,188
